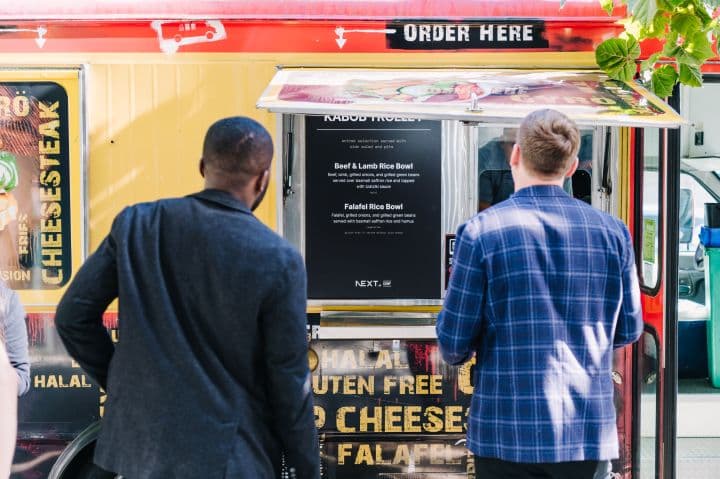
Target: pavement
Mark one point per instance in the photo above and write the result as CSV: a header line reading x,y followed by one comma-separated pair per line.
x,y
698,425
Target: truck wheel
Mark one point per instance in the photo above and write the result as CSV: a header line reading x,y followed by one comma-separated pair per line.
x,y
76,460
89,471
82,467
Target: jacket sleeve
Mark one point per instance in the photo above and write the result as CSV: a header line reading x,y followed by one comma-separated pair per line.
x,y
629,325
283,326
17,343
79,315
459,324
8,412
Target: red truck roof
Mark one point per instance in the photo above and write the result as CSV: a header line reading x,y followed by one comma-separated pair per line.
x,y
304,9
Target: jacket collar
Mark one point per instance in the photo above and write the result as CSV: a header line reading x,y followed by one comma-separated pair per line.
x,y
222,198
540,190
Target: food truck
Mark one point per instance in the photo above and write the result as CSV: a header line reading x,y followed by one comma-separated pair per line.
x,y
391,124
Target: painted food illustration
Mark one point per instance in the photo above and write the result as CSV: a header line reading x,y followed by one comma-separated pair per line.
x,y
8,182
414,90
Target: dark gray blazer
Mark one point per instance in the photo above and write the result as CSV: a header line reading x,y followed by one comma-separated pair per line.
x,y
210,378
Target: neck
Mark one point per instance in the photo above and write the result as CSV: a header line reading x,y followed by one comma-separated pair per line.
x,y
538,182
242,194
524,179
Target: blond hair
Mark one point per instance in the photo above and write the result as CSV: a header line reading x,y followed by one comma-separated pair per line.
x,y
549,142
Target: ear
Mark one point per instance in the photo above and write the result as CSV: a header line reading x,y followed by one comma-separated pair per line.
x,y
515,156
262,181
573,168
201,165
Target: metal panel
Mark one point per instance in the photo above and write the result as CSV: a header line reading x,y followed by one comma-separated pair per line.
x,y
293,205
459,182
377,332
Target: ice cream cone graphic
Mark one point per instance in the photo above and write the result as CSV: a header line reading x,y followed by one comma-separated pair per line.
x,y
8,182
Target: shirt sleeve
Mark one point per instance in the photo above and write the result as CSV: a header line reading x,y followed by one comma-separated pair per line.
x,y
16,339
460,322
79,316
283,326
630,322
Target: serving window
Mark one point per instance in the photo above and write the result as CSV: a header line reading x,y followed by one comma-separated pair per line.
x,y
373,203
381,166
495,182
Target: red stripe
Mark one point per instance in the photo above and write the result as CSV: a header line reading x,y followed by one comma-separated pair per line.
x,y
301,9
254,36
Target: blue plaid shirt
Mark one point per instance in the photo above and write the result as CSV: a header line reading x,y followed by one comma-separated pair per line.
x,y
543,288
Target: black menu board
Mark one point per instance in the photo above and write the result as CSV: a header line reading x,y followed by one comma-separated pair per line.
x,y
373,224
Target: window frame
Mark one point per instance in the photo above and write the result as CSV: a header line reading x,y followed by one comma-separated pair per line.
x,y
638,226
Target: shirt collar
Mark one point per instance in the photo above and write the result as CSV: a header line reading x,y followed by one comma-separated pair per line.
x,y
222,198
540,190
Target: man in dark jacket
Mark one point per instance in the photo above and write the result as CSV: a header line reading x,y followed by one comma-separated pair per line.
x,y
210,377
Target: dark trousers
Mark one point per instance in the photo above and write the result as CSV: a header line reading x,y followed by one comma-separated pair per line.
x,y
491,468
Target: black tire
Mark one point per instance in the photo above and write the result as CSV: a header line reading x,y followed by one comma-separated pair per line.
x,y
82,467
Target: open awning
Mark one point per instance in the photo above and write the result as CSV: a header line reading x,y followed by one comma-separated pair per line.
x,y
485,96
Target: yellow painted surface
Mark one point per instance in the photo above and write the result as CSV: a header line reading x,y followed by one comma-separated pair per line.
x,y
147,126
624,175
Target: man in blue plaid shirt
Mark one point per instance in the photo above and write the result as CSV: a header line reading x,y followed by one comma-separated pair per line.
x,y
543,288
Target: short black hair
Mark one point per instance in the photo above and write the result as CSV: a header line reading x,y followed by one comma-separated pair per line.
x,y
237,146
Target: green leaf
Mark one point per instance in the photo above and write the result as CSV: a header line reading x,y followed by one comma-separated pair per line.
x,y
643,10
685,23
650,62
702,13
562,3
695,49
690,75
617,56
671,48
663,80
607,5
658,26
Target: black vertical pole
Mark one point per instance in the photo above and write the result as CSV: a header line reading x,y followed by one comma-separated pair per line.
x,y
672,226
638,381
